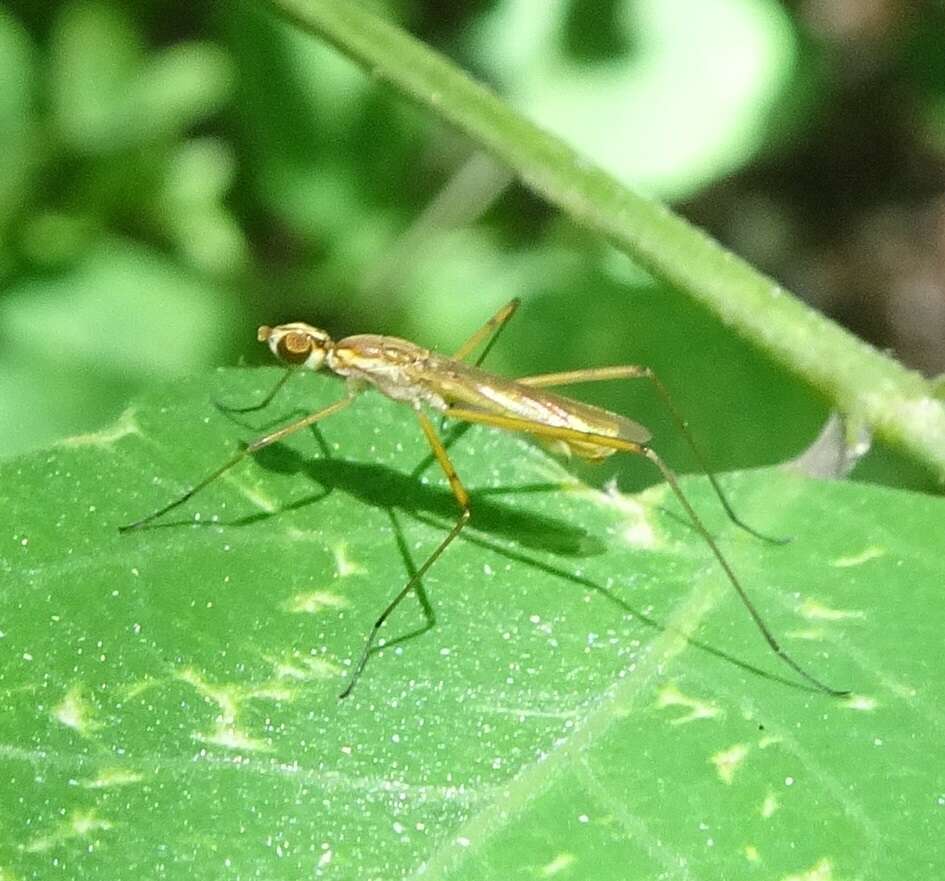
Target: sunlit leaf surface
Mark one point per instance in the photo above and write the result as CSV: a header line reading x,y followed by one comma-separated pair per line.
x,y
169,696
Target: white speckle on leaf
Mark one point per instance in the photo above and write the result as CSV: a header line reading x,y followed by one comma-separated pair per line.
x,y
822,871
561,863
870,553
728,761
815,611
769,805
75,712
111,777
313,602
344,565
860,702
671,696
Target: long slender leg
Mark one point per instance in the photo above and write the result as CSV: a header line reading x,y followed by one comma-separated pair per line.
x,y
428,611
511,423
493,326
252,447
635,371
264,402
462,500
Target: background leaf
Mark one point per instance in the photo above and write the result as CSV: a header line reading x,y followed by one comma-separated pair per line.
x,y
79,340
266,167
168,698
17,133
842,368
659,65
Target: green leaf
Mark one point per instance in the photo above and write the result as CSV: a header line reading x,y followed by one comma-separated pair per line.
x,y
169,696
18,136
676,117
191,207
80,342
108,95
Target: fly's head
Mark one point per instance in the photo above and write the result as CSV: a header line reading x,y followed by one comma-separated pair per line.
x,y
297,344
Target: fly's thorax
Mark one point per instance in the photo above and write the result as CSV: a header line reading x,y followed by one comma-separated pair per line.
x,y
297,343
396,367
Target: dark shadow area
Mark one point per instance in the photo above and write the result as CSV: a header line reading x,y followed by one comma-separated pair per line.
x,y
388,489
457,430
391,490
429,613
593,32
647,620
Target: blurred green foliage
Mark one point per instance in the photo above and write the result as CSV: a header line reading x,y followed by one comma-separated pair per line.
x,y
174,175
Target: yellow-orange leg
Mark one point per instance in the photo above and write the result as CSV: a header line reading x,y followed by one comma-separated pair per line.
x,y
511,423
252,447
462,500
493,326
635,371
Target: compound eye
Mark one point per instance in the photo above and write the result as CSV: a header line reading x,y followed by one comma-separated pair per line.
x,y
294,347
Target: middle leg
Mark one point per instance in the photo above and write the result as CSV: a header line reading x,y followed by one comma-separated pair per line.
x,y
514,423
414,583
636,371
492,328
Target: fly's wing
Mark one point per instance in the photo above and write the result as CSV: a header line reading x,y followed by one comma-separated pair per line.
x,y
627,429
459,384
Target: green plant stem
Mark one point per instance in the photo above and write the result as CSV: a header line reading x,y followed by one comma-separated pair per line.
x,y
896,404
